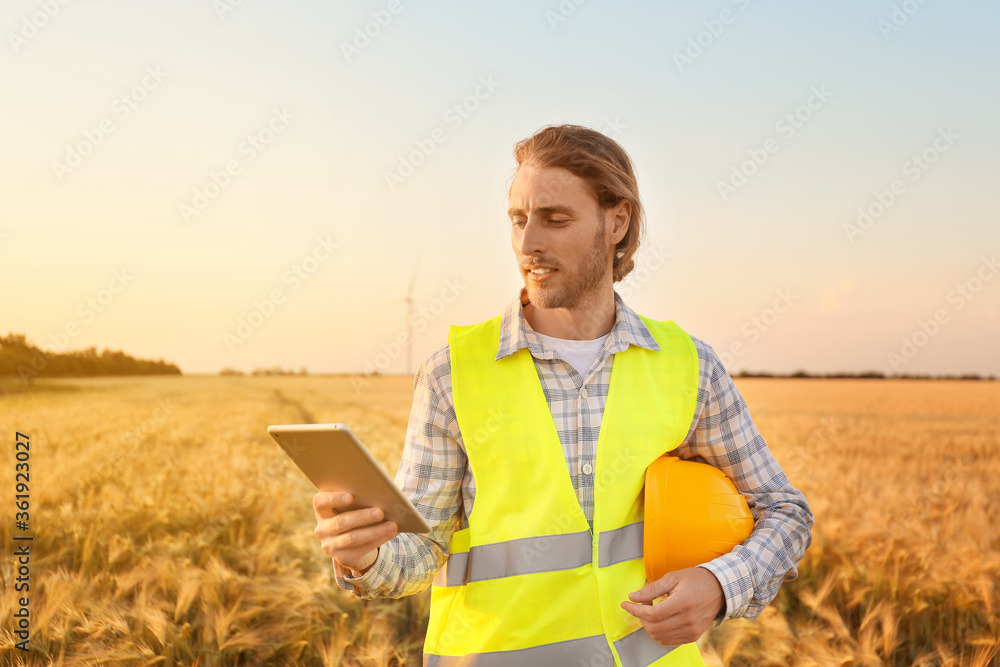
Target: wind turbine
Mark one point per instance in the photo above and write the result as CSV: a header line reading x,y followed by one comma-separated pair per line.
x,y
409,317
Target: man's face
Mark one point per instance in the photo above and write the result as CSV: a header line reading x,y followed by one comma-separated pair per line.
x,y
555,224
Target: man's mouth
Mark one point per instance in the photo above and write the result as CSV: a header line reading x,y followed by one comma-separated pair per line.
x,y
540,274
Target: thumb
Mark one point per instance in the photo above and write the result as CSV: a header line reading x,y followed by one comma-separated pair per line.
x,y
655,589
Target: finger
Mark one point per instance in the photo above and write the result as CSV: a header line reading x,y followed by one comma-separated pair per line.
x,y
342,522
675,629
644,612
674,605
671,609
655,589
326,503
362,540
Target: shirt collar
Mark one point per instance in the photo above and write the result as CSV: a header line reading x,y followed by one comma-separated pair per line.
x,y
515,332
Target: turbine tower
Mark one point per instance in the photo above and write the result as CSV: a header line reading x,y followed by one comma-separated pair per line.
x,y
409,319
409,316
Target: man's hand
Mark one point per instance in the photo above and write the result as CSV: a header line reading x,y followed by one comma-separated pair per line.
x,y
351,537
694,599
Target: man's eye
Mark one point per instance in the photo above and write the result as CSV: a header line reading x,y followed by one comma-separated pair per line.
x,y
521,222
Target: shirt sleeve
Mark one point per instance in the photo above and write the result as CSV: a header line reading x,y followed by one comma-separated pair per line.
x,y
723,435
430,474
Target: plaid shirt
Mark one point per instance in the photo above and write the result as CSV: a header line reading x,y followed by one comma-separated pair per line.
x,y
434,471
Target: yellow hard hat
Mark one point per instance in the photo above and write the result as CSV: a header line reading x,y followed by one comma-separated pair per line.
x,y
693,513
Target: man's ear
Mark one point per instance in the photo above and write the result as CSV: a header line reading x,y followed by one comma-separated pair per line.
x,y
622,213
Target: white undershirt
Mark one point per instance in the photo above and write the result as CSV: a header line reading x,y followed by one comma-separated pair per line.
x,y
580,354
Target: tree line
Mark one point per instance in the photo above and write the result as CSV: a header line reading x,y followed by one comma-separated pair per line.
x,y
19,357
874,375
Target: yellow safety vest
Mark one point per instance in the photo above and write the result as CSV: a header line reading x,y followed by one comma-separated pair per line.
x,y
527,582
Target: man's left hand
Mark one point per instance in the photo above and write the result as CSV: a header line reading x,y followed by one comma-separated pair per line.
x,y
694,599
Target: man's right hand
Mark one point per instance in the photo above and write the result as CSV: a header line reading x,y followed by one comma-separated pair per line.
x,y
352,538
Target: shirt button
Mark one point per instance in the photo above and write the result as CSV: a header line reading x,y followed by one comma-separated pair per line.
x,y
583,392
587,468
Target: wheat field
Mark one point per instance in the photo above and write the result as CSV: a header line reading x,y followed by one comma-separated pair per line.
x,y
170,530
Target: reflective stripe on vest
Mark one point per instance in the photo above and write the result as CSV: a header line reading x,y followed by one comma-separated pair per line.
x,y
637,648
540,554
527,582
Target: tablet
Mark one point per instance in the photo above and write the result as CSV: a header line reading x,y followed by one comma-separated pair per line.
x,y
333,459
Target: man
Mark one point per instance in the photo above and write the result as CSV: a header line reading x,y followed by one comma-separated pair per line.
x,y
529,566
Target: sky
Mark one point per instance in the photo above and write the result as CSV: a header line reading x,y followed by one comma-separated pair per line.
x,y
248,183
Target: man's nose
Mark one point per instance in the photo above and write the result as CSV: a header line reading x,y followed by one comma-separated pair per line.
x,y
531,237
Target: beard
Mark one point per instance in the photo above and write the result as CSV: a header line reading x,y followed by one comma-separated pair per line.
x,y
574,286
